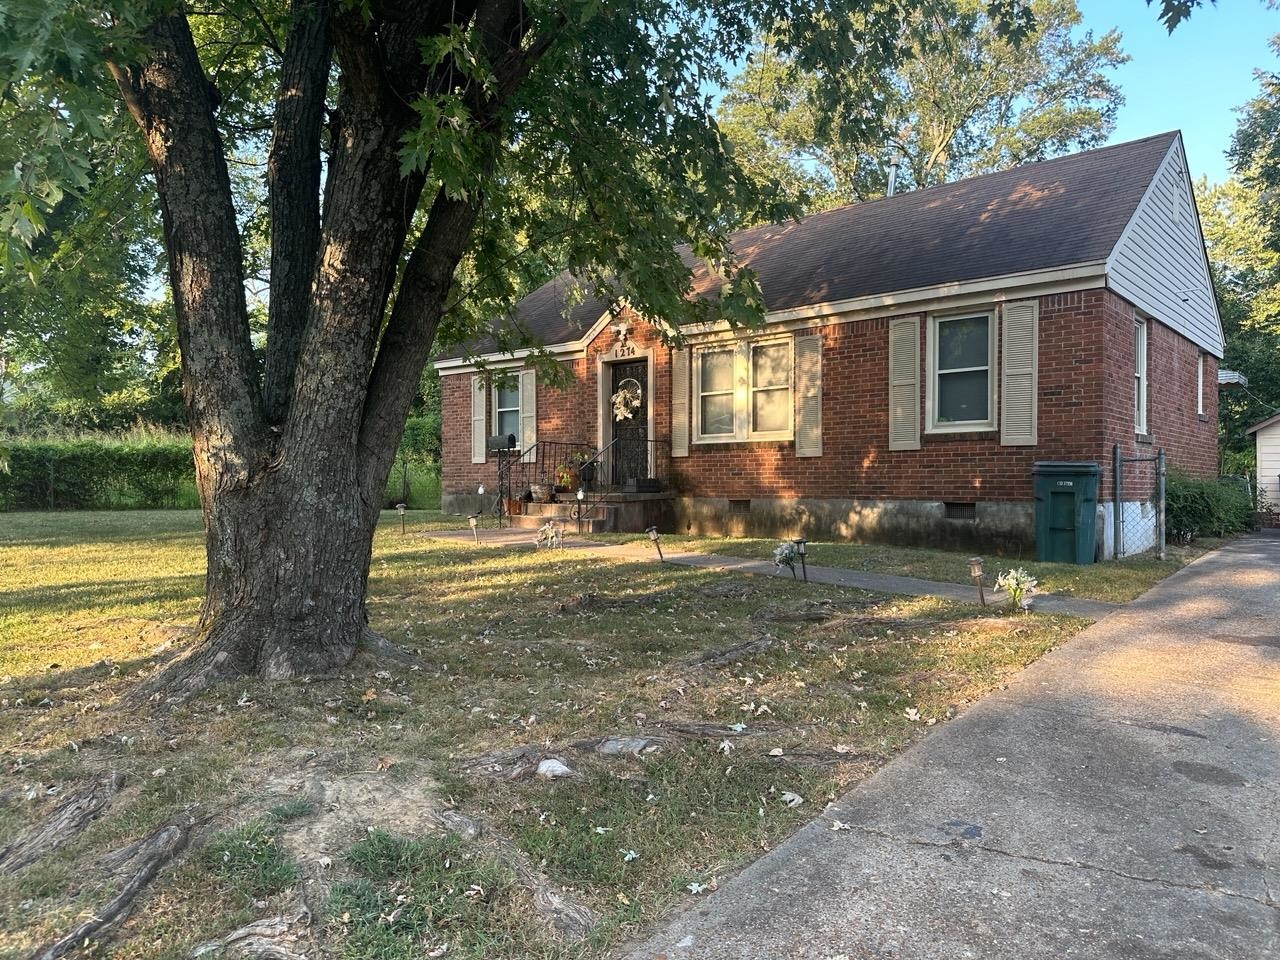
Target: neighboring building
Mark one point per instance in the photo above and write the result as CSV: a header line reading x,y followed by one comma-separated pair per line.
x,y
1266,438
919,354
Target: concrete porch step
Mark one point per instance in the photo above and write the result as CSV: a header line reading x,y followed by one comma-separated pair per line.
x,y
532,521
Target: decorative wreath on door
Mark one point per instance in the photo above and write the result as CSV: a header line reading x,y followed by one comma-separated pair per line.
x,y
627,400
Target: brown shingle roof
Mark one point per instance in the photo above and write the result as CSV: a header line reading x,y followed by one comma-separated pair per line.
x,y
1064,211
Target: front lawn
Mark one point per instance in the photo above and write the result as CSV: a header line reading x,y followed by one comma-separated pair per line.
x,y
1115,581
703,717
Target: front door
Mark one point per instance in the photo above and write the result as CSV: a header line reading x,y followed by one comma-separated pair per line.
x,y
629,415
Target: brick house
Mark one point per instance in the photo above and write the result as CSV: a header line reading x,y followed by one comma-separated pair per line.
x,y
919,354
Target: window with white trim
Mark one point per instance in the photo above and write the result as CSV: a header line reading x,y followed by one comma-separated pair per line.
x,y
744,391
771,387
1200,384
1139,375
715,393
961,386
506,410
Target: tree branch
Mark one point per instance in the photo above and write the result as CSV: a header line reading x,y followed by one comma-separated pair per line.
x,y
293,184
169,97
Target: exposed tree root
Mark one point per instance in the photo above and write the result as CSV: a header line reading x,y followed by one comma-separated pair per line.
x,y
519,763
271,938
150,855
69,817
378,646
728,656
567,920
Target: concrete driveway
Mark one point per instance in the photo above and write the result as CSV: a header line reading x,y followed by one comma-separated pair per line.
x,y
1120,800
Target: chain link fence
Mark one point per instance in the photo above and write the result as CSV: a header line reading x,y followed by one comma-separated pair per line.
x,y
1138,514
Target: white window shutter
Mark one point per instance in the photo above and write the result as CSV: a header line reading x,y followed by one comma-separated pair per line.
x,y
529,414
808,353
904,383
1018,381
679,403
479,422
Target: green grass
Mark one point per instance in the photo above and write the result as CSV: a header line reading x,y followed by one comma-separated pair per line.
x,y
1116,581
522,649
413,895
251,859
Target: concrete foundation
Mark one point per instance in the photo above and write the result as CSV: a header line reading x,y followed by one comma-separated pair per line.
x,y
1002,527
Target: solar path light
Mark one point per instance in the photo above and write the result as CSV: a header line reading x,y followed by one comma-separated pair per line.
x,y
653,538
975,572
801,550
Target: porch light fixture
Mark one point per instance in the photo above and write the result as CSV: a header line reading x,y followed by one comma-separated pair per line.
x,y
480,491
653,538
400,510
975,572
801,550
474,520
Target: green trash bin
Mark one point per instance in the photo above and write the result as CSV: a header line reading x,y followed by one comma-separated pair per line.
x,y
1066,511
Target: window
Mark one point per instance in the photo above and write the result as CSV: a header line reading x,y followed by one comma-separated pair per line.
x,y
744,392
1139,375
960,383
1200,384
715,393
506,411
770,387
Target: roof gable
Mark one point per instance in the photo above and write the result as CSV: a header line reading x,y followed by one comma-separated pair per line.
x,y
1159,264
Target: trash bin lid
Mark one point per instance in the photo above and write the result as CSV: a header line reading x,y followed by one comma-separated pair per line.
x,y
1065,467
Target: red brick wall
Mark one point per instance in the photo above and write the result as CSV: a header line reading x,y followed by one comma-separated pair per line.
x,y
1085,405
1189,440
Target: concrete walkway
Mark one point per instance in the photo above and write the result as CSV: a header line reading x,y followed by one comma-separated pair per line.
x,y
833,576
1120,800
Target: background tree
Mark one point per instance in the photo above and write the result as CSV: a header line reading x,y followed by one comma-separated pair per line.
x,y
1246,274
1255,148
967,101
1242,230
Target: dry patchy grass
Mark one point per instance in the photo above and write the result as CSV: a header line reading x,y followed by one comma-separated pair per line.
x,y
522,650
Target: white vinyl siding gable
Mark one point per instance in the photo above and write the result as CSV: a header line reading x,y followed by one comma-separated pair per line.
x,y
1159,262
1019,350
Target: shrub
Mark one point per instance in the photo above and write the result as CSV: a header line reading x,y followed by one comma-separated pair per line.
x,y
98,473
1198,507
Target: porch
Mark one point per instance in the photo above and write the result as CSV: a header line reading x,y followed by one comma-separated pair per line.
x,y
622,487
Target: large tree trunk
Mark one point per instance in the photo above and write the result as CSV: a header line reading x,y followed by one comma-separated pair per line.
x,y
286,580
291,470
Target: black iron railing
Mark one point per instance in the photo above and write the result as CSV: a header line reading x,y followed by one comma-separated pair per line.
x,y
625,465
579,475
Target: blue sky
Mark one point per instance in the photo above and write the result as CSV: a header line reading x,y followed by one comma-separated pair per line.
x,y
1192,80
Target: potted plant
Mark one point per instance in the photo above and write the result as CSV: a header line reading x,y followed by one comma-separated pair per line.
x,y
541,492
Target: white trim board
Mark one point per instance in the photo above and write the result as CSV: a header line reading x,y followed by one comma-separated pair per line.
x,y
1083,276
